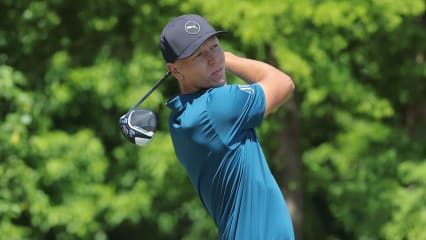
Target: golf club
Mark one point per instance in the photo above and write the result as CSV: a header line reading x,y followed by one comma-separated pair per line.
x,y
139,126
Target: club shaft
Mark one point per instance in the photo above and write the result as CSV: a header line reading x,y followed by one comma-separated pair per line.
x,y
150,90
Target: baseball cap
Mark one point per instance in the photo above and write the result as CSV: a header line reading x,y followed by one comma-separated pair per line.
x,y
183,35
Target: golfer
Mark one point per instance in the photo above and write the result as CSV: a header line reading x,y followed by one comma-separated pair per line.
x,y
212,126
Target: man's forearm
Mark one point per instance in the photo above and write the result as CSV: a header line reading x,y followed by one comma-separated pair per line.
x,y
276,84
249,70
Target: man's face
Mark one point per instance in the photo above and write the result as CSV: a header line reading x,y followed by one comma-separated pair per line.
x,y
205,68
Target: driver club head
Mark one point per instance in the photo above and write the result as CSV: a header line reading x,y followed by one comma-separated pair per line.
x,y
139,126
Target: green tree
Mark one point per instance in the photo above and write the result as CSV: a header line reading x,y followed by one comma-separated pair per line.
x,y
348,149
357,118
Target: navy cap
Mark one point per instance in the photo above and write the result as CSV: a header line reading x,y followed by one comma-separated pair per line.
x,y
183,35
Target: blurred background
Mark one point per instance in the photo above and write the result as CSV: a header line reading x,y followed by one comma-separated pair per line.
x,y
348,149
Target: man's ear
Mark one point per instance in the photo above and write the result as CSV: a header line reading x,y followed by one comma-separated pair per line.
x,y
172,68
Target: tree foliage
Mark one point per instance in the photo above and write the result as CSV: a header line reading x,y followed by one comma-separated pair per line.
x,y
68,70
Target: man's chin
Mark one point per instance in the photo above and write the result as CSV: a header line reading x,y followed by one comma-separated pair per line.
x,y
222,81
218,82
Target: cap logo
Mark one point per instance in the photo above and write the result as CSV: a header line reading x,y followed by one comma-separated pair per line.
x,y
192,27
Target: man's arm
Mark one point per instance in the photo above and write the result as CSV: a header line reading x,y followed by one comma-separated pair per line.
x,y
276,85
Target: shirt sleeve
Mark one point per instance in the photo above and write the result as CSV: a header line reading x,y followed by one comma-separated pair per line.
x,y
236,109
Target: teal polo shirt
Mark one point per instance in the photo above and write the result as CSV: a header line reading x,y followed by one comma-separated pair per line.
x,y
213,134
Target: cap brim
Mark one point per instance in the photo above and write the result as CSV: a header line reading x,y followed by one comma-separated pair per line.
x,y
197,44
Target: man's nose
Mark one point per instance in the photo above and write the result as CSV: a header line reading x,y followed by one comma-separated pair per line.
x,y
210,57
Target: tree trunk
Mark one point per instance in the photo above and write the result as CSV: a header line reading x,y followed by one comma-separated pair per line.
x,y
287,162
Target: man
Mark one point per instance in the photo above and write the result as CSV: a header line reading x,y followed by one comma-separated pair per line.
x,y
212,126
